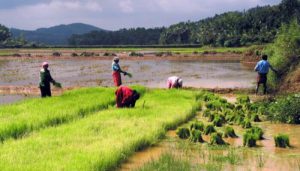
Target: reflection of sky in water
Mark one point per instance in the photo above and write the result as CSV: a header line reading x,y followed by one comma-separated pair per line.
x,y
149,73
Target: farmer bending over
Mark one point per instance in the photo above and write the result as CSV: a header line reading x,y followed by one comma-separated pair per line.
x,y
117,72
174,82
45,81
126,97
262,68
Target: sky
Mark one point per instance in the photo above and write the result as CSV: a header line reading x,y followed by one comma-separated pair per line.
x,y
115,14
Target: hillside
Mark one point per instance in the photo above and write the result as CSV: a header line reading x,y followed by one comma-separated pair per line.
x,y
258,25
57,35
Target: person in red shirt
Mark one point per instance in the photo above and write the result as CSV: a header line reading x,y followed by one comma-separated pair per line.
x,y
126,97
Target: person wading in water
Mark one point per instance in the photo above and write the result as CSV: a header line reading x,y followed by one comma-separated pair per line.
x,y
46,79
262,68
117,72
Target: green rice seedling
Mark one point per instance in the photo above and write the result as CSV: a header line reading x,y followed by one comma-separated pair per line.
x,y
211,117
196,136
169,162
197,125
260,160
214,105
249,139
257,132
282,140
218,121
183,133
33,114
243,99
246,124
209,129
206,113
216,139
229,132
103,140
255,118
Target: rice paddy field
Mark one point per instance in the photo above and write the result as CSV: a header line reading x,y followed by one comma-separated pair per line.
x,y
82,130
63,137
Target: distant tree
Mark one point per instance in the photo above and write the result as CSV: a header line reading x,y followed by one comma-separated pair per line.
x,y
4,33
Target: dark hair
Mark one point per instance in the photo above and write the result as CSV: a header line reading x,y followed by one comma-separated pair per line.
x,y
264,57
136,95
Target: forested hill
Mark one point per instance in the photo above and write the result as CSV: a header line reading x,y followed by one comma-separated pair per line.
x,y
57,35
255,26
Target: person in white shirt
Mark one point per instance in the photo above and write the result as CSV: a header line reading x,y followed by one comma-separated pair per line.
x,y
175,82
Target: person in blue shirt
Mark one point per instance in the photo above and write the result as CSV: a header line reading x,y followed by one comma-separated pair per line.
x,y
262,68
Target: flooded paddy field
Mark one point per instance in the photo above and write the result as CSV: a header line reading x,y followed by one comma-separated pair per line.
x,y
150,73
264,157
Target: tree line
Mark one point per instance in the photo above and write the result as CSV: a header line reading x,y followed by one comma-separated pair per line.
x,y
257,25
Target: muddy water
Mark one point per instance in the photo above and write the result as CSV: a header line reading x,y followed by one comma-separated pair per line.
x,y
264,157
7,99
151,73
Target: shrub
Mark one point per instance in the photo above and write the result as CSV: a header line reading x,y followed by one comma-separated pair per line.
x,y
283,52
211,117
197,126
285,110
249,139
229,132
216,139
183,133
209,129
196,136
282,141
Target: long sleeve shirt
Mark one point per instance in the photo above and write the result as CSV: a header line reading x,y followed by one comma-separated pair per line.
x,y
46,78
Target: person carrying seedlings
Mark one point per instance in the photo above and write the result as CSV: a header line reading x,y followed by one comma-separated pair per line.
x,y
174,82
126,97
117,72
262,68
46,79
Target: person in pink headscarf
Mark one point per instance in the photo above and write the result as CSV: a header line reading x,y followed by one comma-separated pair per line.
x,y
46,79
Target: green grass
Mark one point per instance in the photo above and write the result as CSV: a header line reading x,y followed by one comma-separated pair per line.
x,y
103,140
167,162
181,50
25,117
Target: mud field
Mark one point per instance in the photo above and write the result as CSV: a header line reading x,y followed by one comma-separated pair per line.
x,y
150,72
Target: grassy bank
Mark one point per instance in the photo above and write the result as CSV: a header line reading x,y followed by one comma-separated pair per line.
x,y
25,117
100,141
175,50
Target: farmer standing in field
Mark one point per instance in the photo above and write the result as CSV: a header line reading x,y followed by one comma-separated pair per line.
x,y
262,68
46,79
126,97
174,82
117,72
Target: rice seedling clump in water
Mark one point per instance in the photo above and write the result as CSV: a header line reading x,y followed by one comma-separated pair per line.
x,y
229,132
196,136
197,125
209,129
183,133
216,139
282,141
